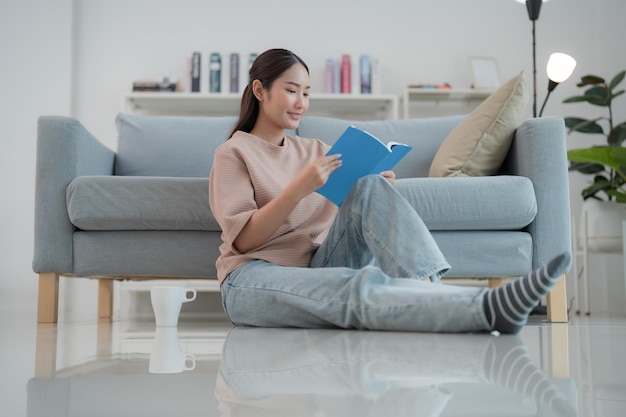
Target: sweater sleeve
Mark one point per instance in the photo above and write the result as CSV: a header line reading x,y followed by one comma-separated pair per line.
x,y
231,194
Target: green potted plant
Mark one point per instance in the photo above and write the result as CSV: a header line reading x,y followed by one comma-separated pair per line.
x,y
607,163
601,220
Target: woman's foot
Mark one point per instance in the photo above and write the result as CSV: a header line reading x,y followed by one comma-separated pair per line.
x,y
507,307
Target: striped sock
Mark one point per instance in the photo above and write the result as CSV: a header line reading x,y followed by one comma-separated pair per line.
x,y
507,307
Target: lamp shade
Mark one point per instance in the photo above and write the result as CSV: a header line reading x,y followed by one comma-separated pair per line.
x,y
560,67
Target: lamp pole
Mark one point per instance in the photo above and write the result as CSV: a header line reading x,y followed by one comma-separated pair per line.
x,y
533,7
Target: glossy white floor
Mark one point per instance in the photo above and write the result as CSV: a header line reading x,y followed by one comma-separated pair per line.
x,y
82,367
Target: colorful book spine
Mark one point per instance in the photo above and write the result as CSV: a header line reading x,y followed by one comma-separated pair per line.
x,y
328,76
234,73
336,76
366,74
346,74
215,73
376,77
195,72
251,59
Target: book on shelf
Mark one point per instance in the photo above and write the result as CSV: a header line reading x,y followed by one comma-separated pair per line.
x,y
346,74
215,73
336,76
251,59
341,76
376,77
164,85
365,67
234,73
195,72
361,154
329,76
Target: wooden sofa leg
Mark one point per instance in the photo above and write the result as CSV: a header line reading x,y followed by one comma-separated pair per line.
x,y
105,298
48,298
557,303
495,282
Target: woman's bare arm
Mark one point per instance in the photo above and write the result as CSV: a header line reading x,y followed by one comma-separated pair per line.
x,y
268,219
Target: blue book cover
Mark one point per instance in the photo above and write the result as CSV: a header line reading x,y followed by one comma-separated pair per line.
x,y
361,154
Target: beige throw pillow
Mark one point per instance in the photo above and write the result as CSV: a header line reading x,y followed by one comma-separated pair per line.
x,y
479,144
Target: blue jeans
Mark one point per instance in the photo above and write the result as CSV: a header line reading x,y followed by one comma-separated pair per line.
x,y
370,273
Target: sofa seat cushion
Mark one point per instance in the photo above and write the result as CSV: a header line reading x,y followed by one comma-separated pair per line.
x,y
472,203
140,203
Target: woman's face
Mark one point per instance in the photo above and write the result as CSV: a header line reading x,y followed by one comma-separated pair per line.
x,y
284,104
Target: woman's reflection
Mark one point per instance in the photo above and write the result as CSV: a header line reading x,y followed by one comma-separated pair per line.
x,y
298,372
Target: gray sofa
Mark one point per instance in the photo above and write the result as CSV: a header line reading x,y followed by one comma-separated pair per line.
x,y
142,211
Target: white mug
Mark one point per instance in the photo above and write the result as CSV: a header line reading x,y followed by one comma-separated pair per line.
x,y
166,356
167,301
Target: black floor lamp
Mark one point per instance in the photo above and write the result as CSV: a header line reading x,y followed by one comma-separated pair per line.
x,y
560,66
533,7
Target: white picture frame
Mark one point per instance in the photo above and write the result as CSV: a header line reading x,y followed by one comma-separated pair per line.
x,y
485,72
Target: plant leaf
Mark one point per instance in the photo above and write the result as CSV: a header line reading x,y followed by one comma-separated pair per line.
x,y
598,155
619,197
619,194
586,168
575,99
619,133
598,96
590,79
578,124
618,154
593,189
617,79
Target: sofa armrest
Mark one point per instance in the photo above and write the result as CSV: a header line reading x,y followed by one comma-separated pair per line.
x,y
539,152
65,150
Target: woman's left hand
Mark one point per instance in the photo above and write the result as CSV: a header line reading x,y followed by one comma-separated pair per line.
x,y
390,176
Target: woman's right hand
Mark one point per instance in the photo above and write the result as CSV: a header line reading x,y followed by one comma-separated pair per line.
x,y
315,174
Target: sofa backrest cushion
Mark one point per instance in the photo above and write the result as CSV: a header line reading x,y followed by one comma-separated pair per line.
x,y
168,146
425,135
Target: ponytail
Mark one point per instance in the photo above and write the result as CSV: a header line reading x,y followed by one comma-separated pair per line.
x,y
248,111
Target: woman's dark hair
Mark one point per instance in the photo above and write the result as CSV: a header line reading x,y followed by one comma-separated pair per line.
x,y
266,68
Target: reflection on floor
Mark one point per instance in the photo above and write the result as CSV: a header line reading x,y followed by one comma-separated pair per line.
x,y
210,368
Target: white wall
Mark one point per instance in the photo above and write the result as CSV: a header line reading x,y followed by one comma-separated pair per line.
x,y
118,41
35,69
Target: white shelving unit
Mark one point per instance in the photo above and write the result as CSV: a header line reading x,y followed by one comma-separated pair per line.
x,y
470,96
346,106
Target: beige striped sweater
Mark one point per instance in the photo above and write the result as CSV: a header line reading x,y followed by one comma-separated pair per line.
x,y
247,173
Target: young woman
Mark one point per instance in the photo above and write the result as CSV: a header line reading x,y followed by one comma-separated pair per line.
x,y
291,258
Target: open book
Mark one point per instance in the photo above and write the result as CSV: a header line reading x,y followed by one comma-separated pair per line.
x,y
361,154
